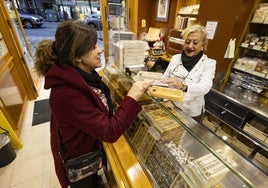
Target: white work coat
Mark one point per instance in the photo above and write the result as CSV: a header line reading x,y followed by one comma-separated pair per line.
x,y
199,81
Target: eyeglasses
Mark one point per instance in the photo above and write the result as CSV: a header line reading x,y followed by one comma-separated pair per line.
x,y
173,73
181,77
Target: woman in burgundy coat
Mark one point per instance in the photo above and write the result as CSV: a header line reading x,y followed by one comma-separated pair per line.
x,y
81,108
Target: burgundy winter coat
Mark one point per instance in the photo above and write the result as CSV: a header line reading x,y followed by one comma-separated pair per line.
x,y
81,116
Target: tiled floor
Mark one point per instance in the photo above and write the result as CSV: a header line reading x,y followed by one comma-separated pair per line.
x,y
33,167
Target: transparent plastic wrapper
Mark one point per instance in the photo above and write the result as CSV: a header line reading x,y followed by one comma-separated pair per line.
x,y
166,93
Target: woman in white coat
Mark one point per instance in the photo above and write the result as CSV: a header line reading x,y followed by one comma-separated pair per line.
x,y
192,71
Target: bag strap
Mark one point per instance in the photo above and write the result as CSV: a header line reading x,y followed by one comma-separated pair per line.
x,y
6,131
60,146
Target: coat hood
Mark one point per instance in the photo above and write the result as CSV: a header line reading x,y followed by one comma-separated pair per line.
x,y
63,75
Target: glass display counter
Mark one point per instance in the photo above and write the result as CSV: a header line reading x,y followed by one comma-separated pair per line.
x,y
172,149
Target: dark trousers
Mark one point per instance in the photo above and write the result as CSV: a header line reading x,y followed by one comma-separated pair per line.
x,y
93,181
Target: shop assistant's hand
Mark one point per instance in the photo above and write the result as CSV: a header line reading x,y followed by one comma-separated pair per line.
x,y
173,82
138,88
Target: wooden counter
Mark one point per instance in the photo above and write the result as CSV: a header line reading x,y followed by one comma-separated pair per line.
x,y
126,169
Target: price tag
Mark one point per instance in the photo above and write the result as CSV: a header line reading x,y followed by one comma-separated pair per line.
x,y
245,45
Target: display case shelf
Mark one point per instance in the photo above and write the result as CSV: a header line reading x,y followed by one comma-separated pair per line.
x,y
259,75
254,50
241,131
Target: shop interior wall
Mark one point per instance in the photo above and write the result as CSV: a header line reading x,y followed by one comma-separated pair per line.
x,y
147,11
232,17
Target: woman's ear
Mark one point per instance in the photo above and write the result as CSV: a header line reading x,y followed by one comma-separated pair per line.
x,y
78,60
204,46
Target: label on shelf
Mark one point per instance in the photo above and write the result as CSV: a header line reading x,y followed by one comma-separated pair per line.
x,y
258,74
245,45
257,47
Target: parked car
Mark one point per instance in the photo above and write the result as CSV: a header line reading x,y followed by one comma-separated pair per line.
x,y
30,20
94,20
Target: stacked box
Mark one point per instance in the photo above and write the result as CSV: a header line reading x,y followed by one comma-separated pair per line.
x,y
243,144
130,53
134,127
147,144
257,128
168,128
122,35
140,134
262,157
211,122
206,171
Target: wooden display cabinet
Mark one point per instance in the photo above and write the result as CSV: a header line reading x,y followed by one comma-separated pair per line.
x,y
16,83
175,42
184,19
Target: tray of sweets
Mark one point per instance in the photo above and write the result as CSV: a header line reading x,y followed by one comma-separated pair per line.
x,y
229,131
180,154
166,125
262,157
260,135
157,115
134,127
169,105
171,158
153,113
166,162
147,144
169,130
174,136
212,125
157,172
241,146
139,134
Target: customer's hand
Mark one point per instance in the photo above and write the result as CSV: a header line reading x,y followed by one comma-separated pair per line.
x,y
138,88
173,82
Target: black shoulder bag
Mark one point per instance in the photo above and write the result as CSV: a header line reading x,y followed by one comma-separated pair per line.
x,y
82,166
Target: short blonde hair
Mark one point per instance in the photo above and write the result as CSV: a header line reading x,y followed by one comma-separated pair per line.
x,y
196,29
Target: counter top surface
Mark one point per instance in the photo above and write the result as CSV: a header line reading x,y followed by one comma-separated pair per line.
x,y
245,98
